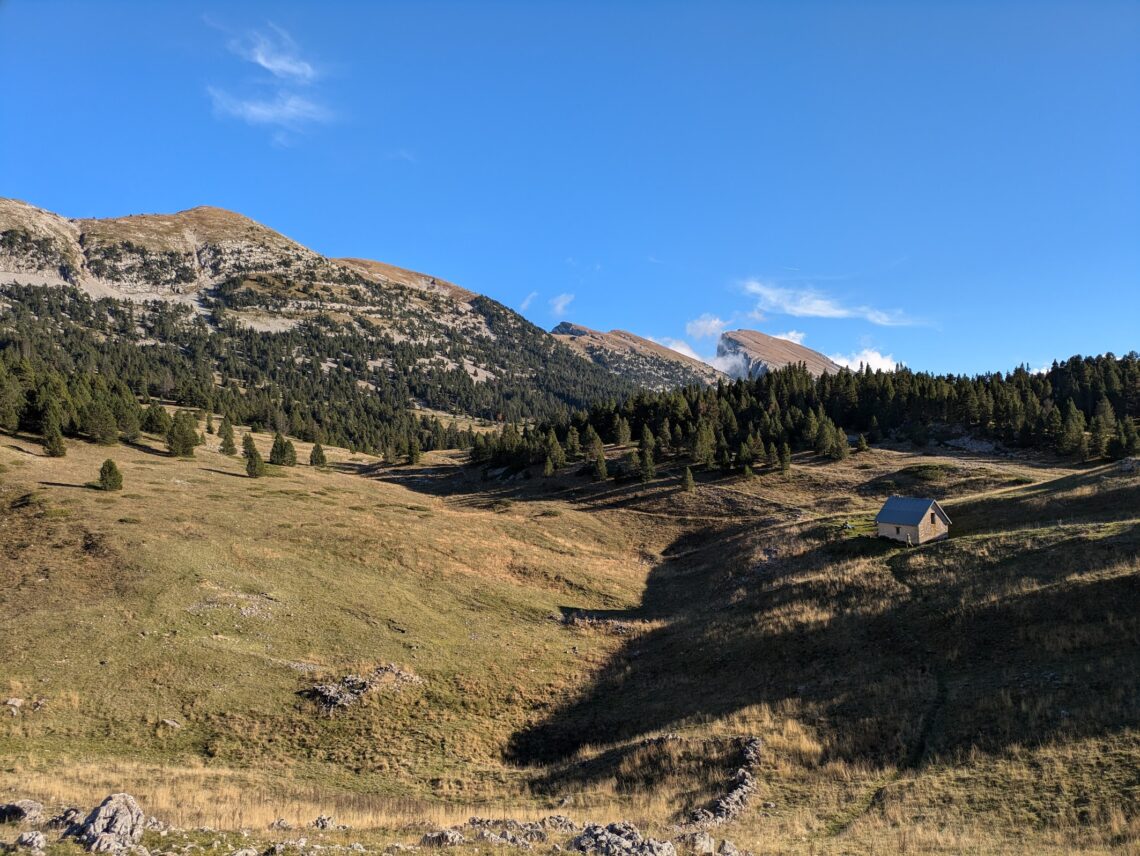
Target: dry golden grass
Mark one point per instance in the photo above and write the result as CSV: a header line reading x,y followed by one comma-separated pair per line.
x,y
871,673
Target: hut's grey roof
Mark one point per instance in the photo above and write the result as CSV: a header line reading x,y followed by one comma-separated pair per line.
x,y
908,510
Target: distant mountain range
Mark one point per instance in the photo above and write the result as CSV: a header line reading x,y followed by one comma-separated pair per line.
x,y
210,258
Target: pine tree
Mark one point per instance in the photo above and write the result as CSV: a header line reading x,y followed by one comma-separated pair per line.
x,y
785,458
129,423
290,455
772,457
839,447
622,431
254,463
687,483
647,441
54,446
600,471
99,424
183,435
704,445
226,435
548,468
109,476
209,422
648,470
415,453
573,443
317,456
277,451
1103,428
747,471
1072,430
862,445
156,420
248,447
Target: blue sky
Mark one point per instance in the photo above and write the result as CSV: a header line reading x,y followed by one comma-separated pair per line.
x,y
955,186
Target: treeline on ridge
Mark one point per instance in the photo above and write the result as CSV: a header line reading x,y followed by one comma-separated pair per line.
x,y
1084,408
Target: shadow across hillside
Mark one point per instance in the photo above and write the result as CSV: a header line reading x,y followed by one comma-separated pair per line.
x,y
920,653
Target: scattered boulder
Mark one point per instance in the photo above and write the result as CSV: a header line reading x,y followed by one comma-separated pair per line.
x,y
32,840
443,838
700,843
727,848
323,821
21,811
14,705
66,818
245,851
281,823
619,839
115,826
1126,465
559,823
352,688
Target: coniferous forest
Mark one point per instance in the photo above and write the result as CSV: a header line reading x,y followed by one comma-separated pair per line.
x,y
71,365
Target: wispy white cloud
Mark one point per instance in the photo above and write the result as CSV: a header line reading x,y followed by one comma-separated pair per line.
x,y
284,109
809,303
866,357
276,52
680,346
286,101
791,336
706,326
527,301
559,303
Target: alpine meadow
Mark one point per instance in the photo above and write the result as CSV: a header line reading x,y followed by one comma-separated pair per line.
x,y
736,452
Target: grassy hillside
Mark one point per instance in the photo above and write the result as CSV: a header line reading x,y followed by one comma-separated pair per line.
x,y
978,694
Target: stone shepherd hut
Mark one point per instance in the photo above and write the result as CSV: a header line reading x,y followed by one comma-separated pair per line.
x,y
913,520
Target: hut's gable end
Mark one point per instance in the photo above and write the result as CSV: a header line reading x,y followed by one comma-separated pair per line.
x,y
914,520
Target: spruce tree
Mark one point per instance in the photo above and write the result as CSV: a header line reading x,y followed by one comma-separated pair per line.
x,y
648,470
130,424
226,435
209,422
1103,428
317,456
785,458
109,476
254,463
1072,430
687,483
647,441
289,459
415,453
53,437
772,457
248,446
99,424
747,471
277,451
573,443
156,420
622,431
600,471
862,445
548,468
182,436
839,447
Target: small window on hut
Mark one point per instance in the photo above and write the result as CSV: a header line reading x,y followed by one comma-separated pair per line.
x,y
932,518
897,530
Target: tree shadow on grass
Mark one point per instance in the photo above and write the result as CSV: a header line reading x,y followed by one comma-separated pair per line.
x,y
85,486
